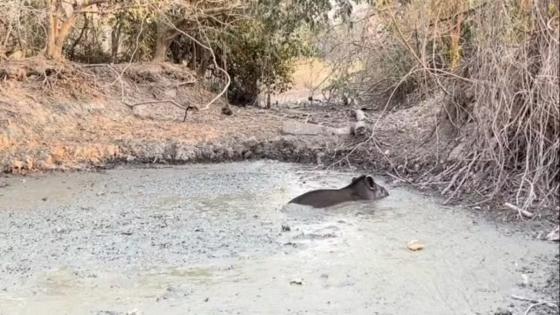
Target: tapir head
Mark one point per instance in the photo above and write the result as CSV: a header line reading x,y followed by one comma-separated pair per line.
x,y
364,187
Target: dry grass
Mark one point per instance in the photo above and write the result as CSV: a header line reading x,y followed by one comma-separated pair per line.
x,y
515,79
496,62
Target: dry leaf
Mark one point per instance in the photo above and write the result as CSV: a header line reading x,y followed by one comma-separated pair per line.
x,y
415,245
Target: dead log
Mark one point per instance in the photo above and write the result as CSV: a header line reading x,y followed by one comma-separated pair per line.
x,y
298,128
360,129
359,115
520,211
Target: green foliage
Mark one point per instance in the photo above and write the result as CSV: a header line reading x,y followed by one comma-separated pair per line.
x,y
263,48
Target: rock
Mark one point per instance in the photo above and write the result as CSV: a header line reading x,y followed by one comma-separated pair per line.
x,y
185,153
238,150
228,153
501,311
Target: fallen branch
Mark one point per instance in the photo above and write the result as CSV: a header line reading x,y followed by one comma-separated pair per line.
x,y
535,303
399,178
185,83
131,106
521,212
186,108
554,235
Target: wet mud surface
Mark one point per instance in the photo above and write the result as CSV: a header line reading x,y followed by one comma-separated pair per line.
x,y
219,239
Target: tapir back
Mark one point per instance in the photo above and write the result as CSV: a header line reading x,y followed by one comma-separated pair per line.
x,y
361,188
323,198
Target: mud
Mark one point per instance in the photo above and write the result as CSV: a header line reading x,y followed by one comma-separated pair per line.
x,y
218,239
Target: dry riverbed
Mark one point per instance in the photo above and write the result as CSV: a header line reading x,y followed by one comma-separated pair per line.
x,y
218,239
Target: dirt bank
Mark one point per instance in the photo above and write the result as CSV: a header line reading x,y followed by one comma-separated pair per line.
x,y
69,116
78,118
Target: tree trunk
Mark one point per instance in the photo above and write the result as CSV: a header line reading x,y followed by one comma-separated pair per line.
x,y
226,107
52,30
160,53
77,41
193,60
163,40
115,42
57,31
204,59
268,104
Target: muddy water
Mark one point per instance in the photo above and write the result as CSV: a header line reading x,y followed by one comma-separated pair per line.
x,y
208,239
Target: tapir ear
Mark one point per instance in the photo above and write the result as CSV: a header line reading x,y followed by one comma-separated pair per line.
x,y
371,183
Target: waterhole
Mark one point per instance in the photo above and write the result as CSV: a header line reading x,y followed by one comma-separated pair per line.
x,y
219,239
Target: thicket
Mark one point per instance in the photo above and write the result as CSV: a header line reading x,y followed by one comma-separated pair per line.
x,y
496,62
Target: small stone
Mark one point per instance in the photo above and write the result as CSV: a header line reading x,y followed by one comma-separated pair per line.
x,y
296,282
502,311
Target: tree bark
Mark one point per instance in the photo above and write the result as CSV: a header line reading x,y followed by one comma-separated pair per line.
x,y
204,60
77,41
163,40
116,42
52,29
268,92
59,29
160,53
